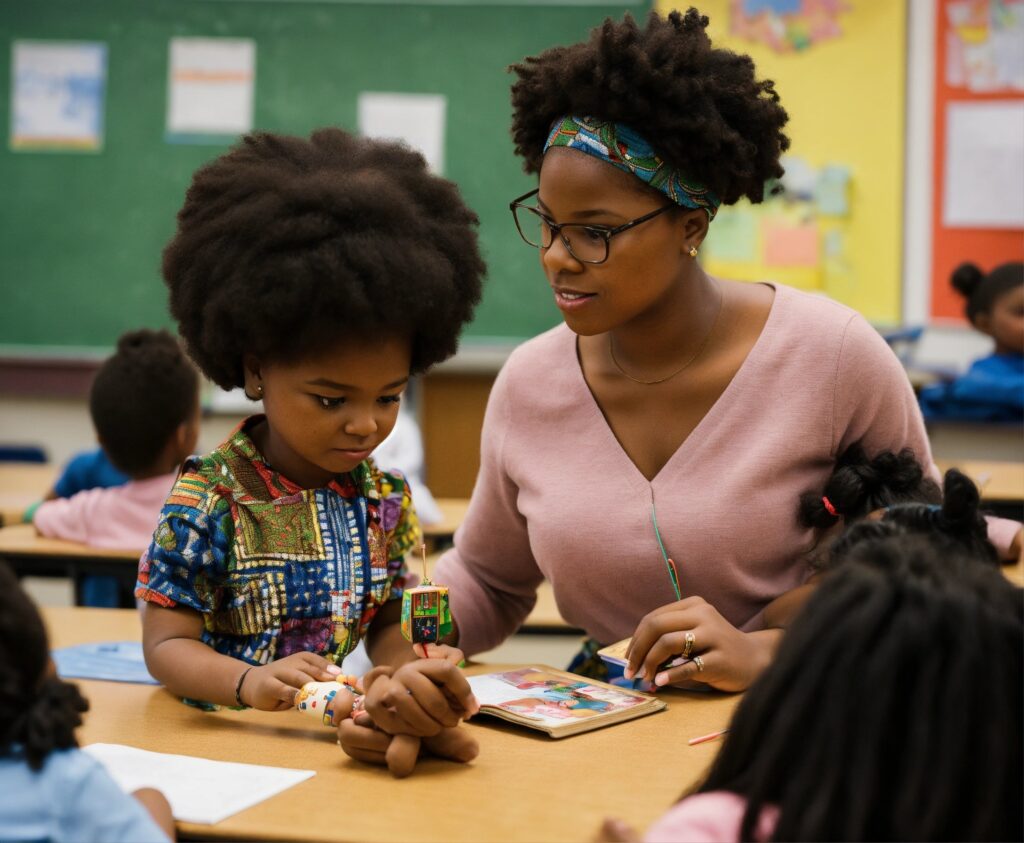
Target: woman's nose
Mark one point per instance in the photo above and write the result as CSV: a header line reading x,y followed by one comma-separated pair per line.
x,y
557,257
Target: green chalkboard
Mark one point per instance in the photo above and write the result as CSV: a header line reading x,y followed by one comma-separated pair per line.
x,y
81,233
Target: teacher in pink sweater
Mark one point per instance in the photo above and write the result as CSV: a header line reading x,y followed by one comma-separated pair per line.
x,y
647,457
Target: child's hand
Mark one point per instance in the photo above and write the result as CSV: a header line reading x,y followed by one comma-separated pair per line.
x,y
419,698
272,687
439,651
616,831
720,654
362,740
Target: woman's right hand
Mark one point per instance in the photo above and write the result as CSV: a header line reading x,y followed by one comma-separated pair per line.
x,y
272,687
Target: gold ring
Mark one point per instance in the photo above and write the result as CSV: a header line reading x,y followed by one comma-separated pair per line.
x,y
697,660
690,639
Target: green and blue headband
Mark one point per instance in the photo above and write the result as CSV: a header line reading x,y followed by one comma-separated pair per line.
x,y
621,147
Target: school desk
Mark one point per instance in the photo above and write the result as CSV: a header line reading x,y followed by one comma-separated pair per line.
x,y
21,485
30,554
453,513
523,786
1001,483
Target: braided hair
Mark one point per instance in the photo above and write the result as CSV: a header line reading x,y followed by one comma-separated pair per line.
x,y
38,712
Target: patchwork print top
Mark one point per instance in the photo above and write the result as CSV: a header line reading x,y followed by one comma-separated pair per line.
x,y
273,568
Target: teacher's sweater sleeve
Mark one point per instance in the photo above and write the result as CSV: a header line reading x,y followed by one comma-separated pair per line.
x,y
491,573
874,404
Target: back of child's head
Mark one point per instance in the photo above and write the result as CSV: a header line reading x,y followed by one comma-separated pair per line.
x,y
982,291
140,396
38,712
956,520
861,484
893,709
286,246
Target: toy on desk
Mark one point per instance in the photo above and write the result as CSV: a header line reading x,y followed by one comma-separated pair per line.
x,y
426,616
315,698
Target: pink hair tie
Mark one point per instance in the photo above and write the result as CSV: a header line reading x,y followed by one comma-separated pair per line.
x,y
828,506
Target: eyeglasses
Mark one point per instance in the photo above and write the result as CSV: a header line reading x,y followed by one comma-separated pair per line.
x,y
586,243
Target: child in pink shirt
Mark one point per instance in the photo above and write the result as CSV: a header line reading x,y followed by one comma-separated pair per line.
x,y
144,405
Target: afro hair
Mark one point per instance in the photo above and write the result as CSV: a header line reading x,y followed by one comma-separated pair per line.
x,y
286,246
701,108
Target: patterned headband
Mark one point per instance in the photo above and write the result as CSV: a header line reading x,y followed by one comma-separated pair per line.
x,y
621,147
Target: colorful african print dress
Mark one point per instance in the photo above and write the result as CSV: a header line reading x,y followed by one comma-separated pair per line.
x,y
273,568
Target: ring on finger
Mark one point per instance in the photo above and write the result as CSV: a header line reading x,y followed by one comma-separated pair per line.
x,y
688,648
697,660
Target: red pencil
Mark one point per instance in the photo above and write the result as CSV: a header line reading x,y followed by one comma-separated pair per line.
x,y
710,737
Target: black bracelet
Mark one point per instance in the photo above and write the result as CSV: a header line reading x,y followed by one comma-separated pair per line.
x,y
238,687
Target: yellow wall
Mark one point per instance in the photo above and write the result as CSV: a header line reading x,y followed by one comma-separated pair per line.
x,y
845,99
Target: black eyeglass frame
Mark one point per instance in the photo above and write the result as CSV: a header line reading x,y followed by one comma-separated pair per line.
x,y
556,228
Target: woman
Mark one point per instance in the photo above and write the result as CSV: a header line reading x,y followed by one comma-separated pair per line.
x,y
674,416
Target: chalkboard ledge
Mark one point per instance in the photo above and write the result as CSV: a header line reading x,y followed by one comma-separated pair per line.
x,y
48,376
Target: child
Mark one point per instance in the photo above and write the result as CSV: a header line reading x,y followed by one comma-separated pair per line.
x,y
49,789
319,275
144,405
90,469
992,390
892,711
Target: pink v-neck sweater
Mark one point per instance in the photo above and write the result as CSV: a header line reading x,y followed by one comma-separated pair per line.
x,y
557,498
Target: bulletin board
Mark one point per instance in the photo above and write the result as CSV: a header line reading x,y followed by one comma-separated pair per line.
x,y
979,64
839,67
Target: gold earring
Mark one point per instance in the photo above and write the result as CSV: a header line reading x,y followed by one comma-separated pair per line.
x,y
259,389
693,251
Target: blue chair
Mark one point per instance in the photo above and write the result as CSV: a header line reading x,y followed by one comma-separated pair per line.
x,y
22,453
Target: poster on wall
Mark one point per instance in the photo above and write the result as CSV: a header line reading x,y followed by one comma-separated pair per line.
x,y
787,25
985,45
211,84
984,168
417,119
58,95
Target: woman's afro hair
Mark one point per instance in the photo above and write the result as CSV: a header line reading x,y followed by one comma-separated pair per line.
x,y
701,108
285,246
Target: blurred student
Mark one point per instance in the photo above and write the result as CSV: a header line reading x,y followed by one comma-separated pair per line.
x,y
893,709
992,389
144,404
49,789
89,469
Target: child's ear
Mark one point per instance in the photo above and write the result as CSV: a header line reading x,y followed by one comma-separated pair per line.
x,y
253,385
983,322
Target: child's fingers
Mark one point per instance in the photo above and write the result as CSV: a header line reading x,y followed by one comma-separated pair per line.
x,y
411,716
282,693
453,744
431,699
401,755
341,706
449,677
363,740
377,704
319,668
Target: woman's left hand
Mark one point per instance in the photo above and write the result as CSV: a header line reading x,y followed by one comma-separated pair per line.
x,y
720,655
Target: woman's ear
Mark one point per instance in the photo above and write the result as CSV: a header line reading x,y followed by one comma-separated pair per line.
x,y
695,229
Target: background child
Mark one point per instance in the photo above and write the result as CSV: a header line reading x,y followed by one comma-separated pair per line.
x,y
144,405
49,789
90,469
318,275
875,721
993,387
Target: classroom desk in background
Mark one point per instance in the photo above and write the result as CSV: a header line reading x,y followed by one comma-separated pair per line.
x,y
1001,483
523,787
21,485
32,555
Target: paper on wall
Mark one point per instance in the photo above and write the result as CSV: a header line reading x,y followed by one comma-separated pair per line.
x,y
417,119
199,790
210,88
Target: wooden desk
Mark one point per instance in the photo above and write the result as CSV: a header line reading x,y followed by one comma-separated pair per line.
x,y
998,481
33,555
523,786
21,485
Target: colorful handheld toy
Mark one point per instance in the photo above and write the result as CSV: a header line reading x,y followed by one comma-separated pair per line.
x,y
315,698
426,616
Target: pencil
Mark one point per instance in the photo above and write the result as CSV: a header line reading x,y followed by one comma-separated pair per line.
x,y
710,737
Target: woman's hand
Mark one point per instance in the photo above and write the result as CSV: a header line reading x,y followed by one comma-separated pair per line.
x,y
419,698
364,741
439,651
272,687
720,655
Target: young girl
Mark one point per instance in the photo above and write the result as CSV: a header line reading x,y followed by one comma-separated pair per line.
x,y
892,711
49,789
318,275
993,387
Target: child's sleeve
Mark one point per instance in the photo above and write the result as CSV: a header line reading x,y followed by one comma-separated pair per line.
x,y
402,527
190,545
65,518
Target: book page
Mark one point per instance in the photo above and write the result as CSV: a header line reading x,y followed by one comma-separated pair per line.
x,y
549,699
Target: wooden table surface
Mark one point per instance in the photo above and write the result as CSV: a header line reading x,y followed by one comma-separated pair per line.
x,y
23,540
523,786
998,481
21,485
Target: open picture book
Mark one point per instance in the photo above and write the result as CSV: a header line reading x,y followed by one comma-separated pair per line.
x,y
558,703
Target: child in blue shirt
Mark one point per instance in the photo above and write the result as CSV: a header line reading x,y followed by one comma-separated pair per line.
x,y
49,789
318,275
992,390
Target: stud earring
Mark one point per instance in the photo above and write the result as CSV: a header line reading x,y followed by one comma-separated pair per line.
x,y
259,390
693,251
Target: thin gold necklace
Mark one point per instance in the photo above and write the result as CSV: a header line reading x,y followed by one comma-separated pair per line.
x,y
694,356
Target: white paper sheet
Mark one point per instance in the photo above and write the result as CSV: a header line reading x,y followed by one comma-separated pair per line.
x,y
199,790
984,172
210,87
417,119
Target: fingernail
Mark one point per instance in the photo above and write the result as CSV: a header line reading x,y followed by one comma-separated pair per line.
x,y
628,672
661,679
333,669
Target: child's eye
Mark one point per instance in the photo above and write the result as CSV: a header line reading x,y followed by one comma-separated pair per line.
x,y
390,399
329,403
